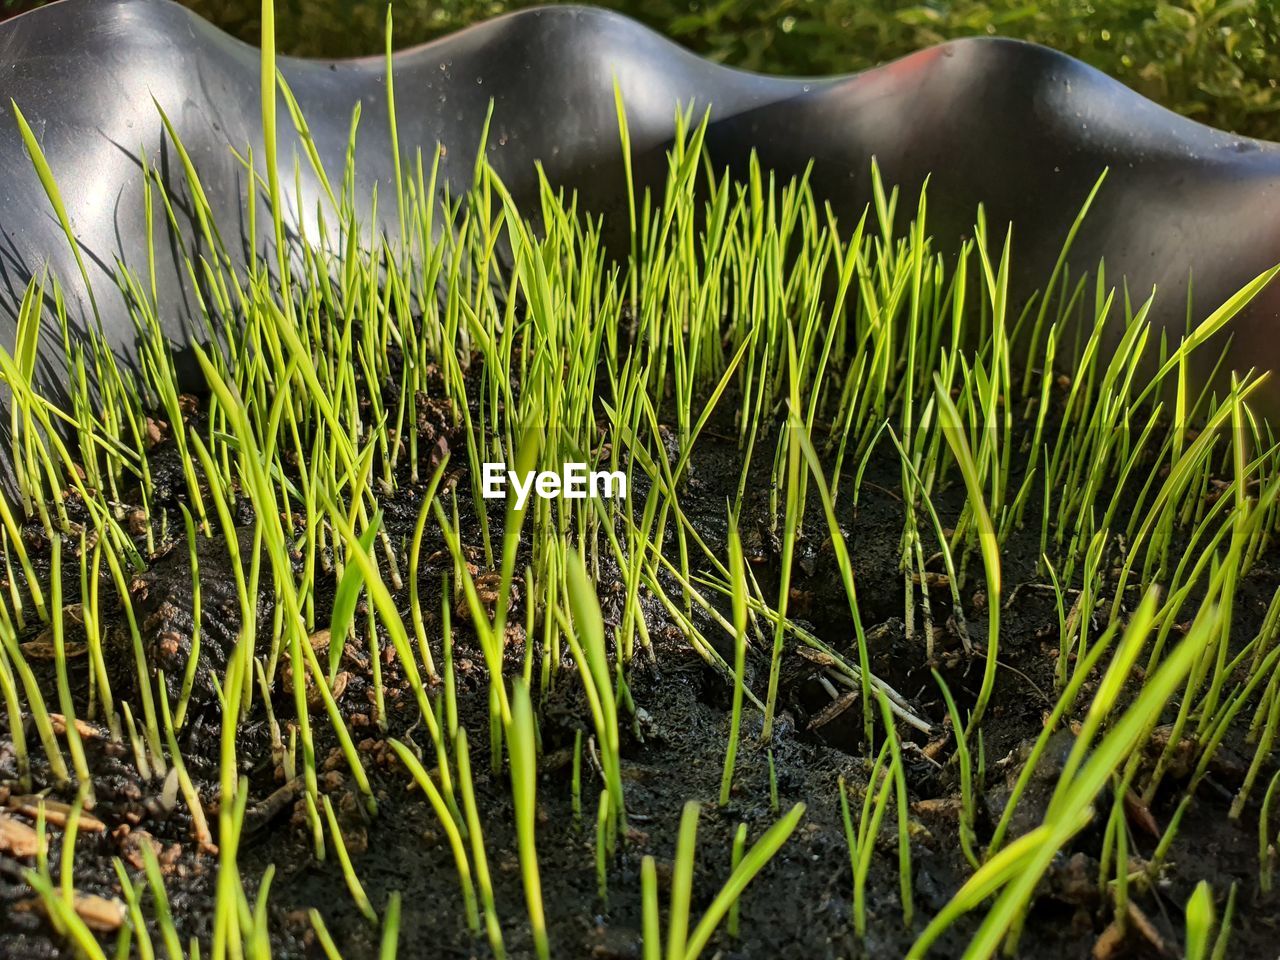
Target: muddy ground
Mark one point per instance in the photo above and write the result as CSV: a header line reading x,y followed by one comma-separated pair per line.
x,y
799,907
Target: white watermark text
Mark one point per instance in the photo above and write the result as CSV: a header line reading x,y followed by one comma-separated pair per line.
x,y
573,481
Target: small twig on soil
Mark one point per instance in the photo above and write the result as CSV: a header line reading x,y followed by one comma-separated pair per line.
x,y
262,813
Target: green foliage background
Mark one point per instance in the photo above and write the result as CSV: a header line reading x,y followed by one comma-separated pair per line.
x,y
1215,60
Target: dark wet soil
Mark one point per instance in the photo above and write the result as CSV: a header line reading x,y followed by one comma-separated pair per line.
x,y
673,750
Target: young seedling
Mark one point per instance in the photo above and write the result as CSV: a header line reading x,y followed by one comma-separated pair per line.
x,y
1266,842
953,430
1199,921
389,946
348,871
493,928
738,583
739,850
964,759
795,494
1017,868
576,779
603,820
448,824
524,787
904,820
681,943
652,921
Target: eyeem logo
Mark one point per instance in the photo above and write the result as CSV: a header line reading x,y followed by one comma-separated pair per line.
x,y
572,482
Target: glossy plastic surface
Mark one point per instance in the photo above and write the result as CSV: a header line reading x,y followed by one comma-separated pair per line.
x,y
1020,128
